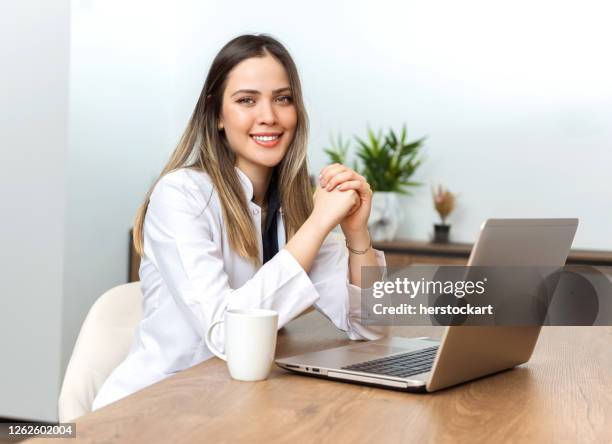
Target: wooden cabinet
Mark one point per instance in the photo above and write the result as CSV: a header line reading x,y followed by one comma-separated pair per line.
x,y
407,252
134,262
400,253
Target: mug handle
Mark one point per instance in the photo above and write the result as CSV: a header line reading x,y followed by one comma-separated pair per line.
x,y
209,342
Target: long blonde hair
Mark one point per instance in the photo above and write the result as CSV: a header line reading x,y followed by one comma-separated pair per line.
x,y
203,147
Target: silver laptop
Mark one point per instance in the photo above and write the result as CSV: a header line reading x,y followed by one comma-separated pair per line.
x,y
464,353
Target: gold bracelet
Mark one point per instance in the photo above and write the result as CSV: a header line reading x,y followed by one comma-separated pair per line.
x,y
358,251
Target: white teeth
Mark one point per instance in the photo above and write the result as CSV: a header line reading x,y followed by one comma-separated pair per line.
x,y
265,138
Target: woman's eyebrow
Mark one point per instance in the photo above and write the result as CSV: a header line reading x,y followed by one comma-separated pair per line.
x,y
255,92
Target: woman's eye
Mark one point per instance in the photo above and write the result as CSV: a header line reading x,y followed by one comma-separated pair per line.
x,y
247,100
284,99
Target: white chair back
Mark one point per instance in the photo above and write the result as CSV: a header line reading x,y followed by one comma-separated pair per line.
x,y
103,343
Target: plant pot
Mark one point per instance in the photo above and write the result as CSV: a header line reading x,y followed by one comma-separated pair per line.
x,y
441,233
385,216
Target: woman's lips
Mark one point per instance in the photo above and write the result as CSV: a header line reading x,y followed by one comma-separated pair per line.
x,y
266,140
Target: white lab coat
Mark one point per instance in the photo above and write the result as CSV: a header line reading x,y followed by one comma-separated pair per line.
x,y
190,275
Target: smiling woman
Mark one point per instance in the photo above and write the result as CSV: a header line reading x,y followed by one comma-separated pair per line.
x,y
259,121
252,87
232,223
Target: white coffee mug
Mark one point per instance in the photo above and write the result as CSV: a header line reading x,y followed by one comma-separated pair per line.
x,y
250,342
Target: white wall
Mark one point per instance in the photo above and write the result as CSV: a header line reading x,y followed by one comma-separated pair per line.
x,y
77,159
34,45
119,138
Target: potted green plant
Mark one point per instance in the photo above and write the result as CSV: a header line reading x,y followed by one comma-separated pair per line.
x,y
444,203
388,163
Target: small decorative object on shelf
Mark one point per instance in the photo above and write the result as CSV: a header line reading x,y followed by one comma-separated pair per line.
x,y
388,161
444,202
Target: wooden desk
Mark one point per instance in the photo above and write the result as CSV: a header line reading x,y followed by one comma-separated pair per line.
x,y
564,394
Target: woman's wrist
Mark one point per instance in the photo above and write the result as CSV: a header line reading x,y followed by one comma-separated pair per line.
x,y
321,223
358,240
305,244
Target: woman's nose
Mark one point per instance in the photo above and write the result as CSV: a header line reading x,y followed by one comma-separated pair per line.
x,y
266,113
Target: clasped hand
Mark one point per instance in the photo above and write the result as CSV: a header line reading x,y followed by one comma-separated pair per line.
x,y
343,197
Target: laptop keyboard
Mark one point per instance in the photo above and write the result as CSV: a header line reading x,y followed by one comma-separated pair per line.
x,y
403,365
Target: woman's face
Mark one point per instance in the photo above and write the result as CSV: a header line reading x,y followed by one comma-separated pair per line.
x,y
258,114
